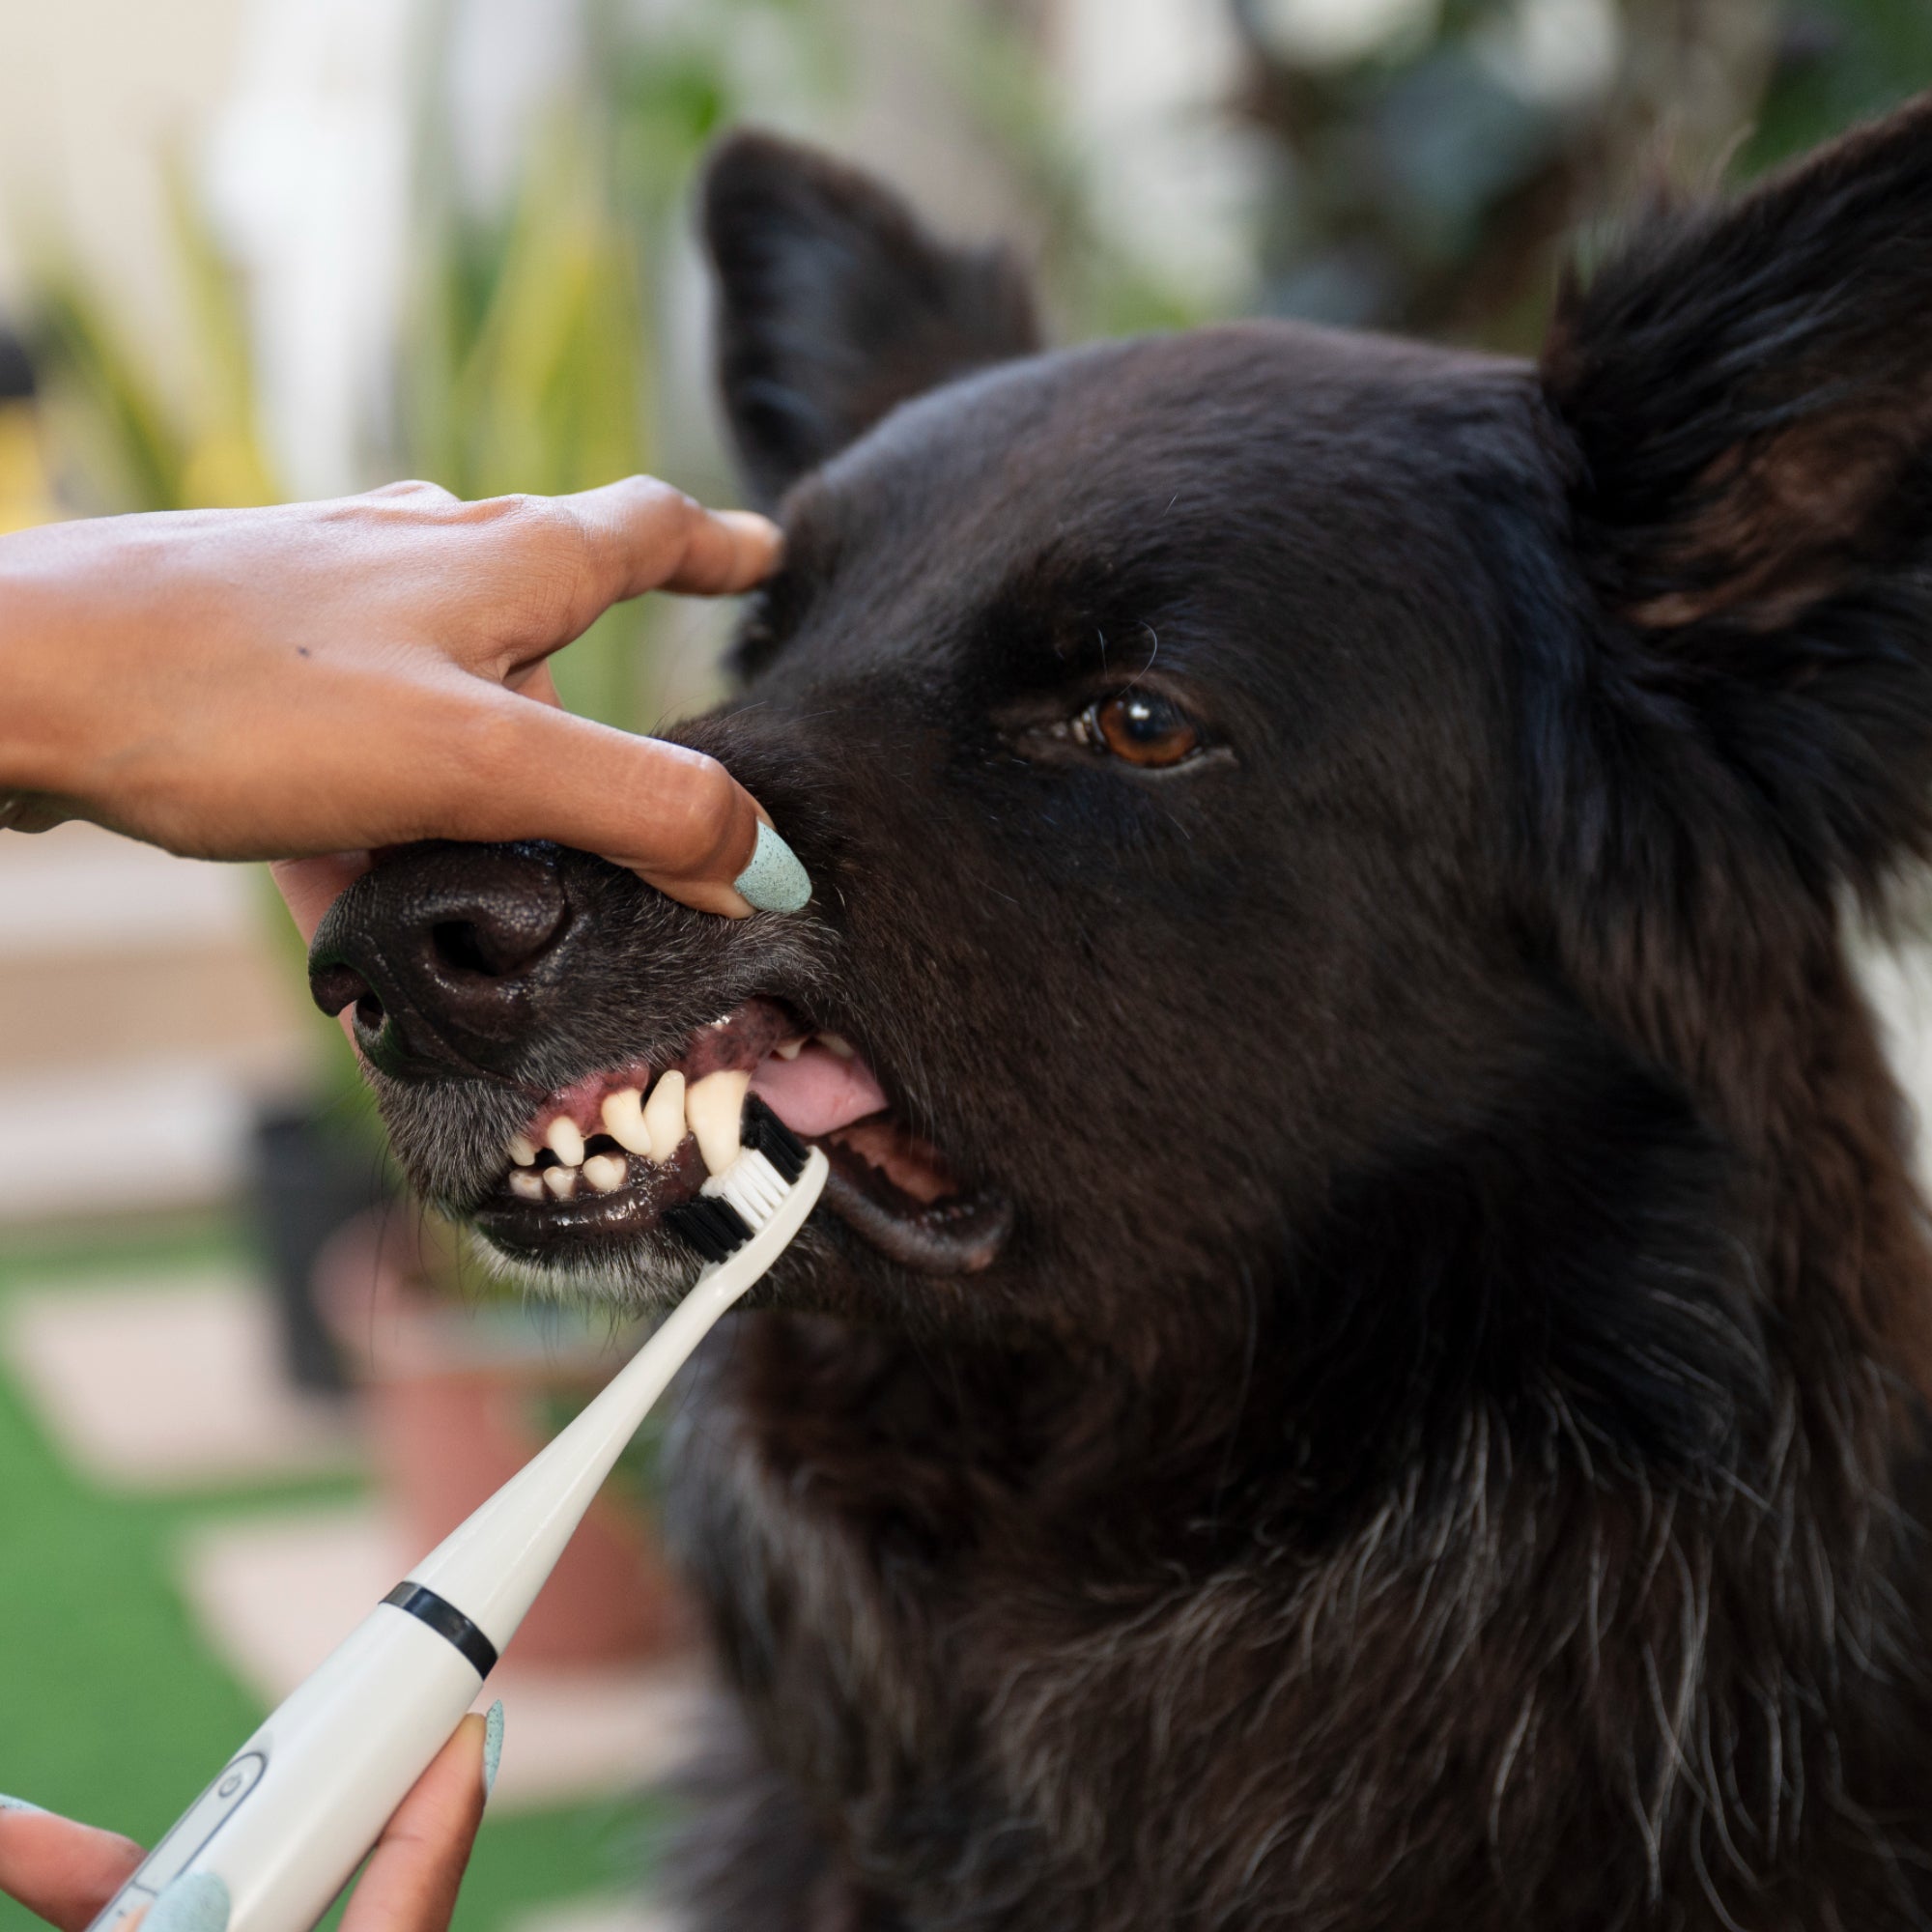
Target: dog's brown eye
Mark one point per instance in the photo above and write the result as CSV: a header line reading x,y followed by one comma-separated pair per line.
x,y
1142,727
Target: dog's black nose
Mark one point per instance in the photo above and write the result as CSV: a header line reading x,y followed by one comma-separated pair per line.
x,y
449,954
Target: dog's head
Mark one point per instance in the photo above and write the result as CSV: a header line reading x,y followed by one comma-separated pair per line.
x,y
1278,802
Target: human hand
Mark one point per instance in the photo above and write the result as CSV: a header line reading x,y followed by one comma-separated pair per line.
x,y
327,678
65,1872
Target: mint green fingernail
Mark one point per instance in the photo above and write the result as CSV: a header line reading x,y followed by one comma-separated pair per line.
x,y
774,881
196,1903
16,1804
492,1744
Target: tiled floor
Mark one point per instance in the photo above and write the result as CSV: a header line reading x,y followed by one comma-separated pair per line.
x,y
173,1385
143,1006
276,1593
598,1915
147,1004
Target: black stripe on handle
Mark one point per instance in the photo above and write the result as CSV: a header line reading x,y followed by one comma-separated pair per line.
x,y
447,1622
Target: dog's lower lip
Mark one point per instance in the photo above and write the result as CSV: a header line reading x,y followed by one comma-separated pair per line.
x,y
960,1235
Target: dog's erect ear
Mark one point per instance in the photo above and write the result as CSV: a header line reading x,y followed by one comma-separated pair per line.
x,y
836,304
1749,390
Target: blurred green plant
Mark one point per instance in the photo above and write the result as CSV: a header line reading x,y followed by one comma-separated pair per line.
x,y
123,436
524,359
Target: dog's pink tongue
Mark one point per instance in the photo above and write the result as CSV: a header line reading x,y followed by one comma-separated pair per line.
x,y
817,1092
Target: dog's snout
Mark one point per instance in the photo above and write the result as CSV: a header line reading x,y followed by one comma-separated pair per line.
x,y
448,956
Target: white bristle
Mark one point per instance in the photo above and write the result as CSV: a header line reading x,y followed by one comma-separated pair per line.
x,y
751,1185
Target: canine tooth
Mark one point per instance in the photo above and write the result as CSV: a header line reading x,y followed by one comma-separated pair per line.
x,y
606,1172
663,1114
565,1138
526,1185
714,1108
624,1121
561,1180
835,1043
522,1150
789,1049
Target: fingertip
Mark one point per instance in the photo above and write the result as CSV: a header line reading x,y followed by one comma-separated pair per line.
x,y
700,894
470,1739
726,551
759,543
58,1868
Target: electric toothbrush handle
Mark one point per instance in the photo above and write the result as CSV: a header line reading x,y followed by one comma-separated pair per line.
x,y
289,1818
291,1815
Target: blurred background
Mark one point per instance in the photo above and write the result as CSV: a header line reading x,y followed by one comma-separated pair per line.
x,y
261,249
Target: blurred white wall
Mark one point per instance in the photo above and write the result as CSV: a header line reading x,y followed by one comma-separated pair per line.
x,y
94,94
306,173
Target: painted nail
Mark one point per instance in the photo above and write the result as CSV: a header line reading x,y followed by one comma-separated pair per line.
x,y
774,881
17,1804
196,1903
493,1746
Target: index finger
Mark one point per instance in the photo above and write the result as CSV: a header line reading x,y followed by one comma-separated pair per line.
x,y
648,536
64,1871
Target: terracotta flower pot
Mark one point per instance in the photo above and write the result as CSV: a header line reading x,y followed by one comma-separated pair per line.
x,y
455,1402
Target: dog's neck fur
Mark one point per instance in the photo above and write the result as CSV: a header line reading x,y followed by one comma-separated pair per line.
x,y
1170,1608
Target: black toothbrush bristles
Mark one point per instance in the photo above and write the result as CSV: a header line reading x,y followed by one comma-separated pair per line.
x,y
713,1226
766,1134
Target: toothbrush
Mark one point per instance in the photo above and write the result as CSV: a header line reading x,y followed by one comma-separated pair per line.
x,y
291,1815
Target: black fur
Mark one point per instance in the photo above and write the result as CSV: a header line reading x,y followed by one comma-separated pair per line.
x,y
1442,1446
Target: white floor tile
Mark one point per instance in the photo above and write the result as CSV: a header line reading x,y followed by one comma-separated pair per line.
x,y
154,1133
614,1914
79,889
169,1386
277,1593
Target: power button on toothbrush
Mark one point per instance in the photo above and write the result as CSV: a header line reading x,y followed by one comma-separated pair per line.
x,y
188,1839
211,1810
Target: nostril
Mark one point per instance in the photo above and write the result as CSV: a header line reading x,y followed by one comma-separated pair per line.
x,y
336,984
445,957
459,943
498,942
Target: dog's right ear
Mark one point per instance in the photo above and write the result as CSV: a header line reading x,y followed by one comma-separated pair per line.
x,y
1747,389
837,305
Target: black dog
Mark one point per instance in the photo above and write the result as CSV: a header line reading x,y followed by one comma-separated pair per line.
x,y
1366,1369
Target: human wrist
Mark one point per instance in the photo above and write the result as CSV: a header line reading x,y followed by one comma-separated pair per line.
x,y
46,685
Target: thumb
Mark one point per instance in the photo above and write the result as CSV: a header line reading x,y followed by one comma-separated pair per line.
x,y
673,815
416,1869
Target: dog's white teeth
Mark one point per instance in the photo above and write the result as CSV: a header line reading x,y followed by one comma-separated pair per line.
x,y
526,1185
561,1180
789,1049
833,1044
662,1117
565,1138
522,1150
714,1108
606,1172
623,1116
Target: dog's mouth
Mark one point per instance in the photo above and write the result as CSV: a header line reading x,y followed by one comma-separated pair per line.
x,y
601,1162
